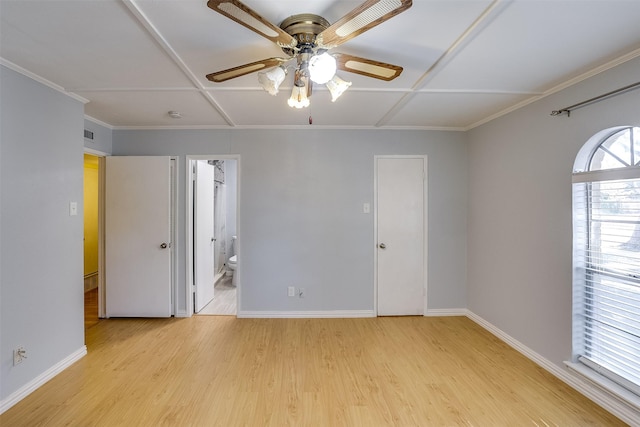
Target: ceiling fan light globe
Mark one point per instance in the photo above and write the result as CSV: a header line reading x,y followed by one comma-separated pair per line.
x,y
272,79
322,68
337,86
298,98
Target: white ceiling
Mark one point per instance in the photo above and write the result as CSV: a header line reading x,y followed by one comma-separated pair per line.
x,y
465,61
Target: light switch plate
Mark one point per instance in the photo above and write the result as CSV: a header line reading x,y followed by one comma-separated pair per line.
x,y
73,208
366,208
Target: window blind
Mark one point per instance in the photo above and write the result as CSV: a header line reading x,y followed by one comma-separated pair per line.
x,y
607,278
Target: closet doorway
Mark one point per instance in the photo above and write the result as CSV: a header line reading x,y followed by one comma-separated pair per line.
x,y
401,235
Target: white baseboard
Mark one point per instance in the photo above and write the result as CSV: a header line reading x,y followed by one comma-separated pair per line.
x,y
341,313
442,312
306,314
90,281
32,385
608,401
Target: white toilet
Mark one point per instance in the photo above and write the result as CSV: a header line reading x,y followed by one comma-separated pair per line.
x,y
232,262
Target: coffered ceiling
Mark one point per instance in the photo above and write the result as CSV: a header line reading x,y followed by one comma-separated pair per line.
x,y
465,61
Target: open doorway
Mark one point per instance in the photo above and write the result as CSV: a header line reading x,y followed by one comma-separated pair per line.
x,y
91,239
223,241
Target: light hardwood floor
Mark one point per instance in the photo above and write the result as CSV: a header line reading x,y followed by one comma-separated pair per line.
x,y
91,308
223,371
224,300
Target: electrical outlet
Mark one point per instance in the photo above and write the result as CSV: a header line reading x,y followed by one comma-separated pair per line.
x,y
291,291
19,354
301,293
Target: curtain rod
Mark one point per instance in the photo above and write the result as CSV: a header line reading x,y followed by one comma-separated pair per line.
x,y
592,100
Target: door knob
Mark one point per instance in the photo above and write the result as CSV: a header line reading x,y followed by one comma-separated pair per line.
x,y
382,246
163,246
213,239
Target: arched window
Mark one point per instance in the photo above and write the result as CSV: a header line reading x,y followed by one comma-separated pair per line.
x,y
606,256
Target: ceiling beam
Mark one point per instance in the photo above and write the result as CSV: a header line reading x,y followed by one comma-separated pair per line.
x,y
142,19
480,24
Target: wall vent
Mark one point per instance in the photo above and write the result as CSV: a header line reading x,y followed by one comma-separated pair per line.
x,y
88,134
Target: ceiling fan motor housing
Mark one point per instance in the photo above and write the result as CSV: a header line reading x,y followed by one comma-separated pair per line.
x,y
304,28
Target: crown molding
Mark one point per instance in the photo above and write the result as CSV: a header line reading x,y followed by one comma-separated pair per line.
x,y
99,122
42,80
580,78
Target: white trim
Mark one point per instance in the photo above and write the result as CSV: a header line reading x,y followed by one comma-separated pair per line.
x,y
586,152
38,381
584,76
18,69
98,122
629,172
425,264
175,196
102,291
96,153
614,404
604,384
594,72
189,161
340,314
444,312
288,127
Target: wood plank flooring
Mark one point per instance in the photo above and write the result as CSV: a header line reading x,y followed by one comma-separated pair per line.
x,y
91,308
224,371
224,301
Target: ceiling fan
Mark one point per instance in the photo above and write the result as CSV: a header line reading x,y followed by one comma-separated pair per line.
x,y
307,38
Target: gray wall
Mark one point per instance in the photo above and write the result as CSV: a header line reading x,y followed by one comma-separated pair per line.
x,y
301,221
102,137
500,193
41,266
520,232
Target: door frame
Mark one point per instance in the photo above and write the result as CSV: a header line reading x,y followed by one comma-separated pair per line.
x,y
102,310
425,187
190,162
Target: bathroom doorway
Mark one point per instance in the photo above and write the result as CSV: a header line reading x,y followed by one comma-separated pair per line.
x,y
224,240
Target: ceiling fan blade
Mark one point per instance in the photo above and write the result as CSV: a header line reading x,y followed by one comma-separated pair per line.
x,y
243,15
367,67
362,18
241,70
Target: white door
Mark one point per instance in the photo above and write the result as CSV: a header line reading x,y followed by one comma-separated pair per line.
x,y
203,231
138,236
400,214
